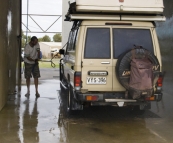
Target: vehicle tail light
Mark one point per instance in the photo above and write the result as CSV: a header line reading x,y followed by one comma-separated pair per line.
x,y
159,81
91,98
152,98
77,80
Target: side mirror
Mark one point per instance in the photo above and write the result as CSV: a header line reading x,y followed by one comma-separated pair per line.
x,y
61,51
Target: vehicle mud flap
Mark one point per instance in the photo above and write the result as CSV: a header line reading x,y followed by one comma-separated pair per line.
x,y
140,109
70,104
137,94
75,105
159,97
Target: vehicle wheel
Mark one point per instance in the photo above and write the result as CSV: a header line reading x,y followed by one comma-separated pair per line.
x,y
62,89
61,75
64,94
61,71
123,66
135,110
69,99
68,102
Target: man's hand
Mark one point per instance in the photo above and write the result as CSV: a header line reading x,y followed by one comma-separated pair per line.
x,y
38,51
30,59
36,61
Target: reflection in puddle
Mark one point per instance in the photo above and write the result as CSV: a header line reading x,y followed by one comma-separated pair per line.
x,y
28,120
106,124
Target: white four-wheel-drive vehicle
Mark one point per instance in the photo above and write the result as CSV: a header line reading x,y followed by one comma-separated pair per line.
x,y
112,55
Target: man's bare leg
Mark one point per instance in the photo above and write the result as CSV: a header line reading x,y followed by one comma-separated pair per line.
x,y
36,86
28,86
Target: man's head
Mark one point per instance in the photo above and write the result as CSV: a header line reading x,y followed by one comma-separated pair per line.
x,y
34,40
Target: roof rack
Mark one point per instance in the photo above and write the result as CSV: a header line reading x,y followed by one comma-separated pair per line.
x,y
125,10
74,17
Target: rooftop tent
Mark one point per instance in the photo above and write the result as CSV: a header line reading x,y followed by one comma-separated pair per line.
x,y
118,6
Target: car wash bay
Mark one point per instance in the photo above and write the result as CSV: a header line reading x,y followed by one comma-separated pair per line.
x,y
40,120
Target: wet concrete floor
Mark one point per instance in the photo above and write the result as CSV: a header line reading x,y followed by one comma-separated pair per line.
x,y
31,120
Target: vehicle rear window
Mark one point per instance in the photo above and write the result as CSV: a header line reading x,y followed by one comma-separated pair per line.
x,y
97,45
125,39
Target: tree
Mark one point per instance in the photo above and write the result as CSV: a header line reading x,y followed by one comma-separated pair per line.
x,y
24,39
40,39
57,38
46,38
28,39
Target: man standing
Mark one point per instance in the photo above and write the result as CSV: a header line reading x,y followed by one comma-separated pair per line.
x,y
31,57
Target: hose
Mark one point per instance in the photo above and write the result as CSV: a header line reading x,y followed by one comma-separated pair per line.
x,y
52,63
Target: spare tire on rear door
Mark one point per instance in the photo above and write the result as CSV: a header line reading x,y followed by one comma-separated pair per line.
x,y
123,66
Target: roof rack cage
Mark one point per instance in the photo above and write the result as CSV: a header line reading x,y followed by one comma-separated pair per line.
x,y
74,17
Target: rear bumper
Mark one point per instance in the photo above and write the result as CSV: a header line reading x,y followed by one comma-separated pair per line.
x,y
118,98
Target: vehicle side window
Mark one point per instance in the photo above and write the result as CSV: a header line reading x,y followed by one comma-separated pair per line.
x,y
97,44
125,39
69,41
76,38
72,40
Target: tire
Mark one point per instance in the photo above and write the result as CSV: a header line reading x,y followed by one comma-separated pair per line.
x,y
123,66
69,98
63,91
67,102
136,110
64,100
61,71
61,75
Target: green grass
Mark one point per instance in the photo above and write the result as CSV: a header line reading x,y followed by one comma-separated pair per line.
x,y
47,64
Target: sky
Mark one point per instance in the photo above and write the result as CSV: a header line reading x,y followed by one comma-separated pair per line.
x,y
44,7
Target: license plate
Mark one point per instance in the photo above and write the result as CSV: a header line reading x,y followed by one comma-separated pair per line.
x,y
96,80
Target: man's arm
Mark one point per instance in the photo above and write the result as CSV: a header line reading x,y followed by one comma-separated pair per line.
x,y
38,51
27,54
30,59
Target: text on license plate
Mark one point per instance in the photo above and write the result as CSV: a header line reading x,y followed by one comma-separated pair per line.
x,y
96,80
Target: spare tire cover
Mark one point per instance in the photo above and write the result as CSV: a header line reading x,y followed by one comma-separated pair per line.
x,y
123,66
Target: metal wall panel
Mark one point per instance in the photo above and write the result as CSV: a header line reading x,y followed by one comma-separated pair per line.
x,y
9,48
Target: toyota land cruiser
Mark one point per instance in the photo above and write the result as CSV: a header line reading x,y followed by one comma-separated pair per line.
x,y
95,68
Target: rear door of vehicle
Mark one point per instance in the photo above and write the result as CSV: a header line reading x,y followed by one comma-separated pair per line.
x,y
124,39
97,59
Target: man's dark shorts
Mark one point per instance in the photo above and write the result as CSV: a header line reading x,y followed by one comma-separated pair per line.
x,y
32,70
